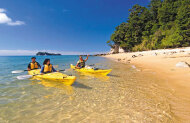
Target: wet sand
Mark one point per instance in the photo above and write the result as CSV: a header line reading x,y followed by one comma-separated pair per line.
x,y
163,63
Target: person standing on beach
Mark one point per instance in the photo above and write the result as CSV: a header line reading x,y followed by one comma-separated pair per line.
x,y
81,62
33,65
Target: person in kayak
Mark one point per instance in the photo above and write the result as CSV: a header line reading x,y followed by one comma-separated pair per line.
x,y
33,64
47,68
81,62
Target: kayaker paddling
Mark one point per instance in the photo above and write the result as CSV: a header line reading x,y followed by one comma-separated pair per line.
x,y
47,68
33,64
81,62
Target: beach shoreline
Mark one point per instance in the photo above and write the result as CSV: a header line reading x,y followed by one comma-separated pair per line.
x,y
166,66
165,63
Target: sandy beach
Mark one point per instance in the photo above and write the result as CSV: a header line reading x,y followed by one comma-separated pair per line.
x,y
163,62
169,65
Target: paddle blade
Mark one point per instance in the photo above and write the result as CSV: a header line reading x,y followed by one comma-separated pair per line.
x,y
61,70
91,65
24,77
17,71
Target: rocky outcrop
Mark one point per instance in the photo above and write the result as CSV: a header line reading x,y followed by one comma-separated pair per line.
x,y
133,56
116,49
100,54
47,54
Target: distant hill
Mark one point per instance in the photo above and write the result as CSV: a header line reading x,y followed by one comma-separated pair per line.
x,y
47,54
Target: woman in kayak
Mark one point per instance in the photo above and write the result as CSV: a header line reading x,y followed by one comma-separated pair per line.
x,y
47,68
81,62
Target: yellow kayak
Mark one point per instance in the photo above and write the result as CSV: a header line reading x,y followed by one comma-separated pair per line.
x,y
92,71
57,76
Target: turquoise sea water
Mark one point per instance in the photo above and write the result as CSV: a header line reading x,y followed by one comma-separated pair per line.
x,y
125,95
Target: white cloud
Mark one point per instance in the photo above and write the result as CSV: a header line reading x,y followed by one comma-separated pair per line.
x,y
33,52
2,10
4,19
16,52
16,23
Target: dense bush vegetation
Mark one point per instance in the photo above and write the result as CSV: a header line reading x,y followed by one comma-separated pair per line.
x,y
163,24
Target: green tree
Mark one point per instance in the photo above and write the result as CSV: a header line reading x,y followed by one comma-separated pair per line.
x,y
183,21
167,12
164,24
118,37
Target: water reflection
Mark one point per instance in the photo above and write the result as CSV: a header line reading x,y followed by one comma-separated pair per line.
x,y
68,90
56,84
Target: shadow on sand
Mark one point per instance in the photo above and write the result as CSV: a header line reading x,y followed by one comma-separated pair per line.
x,y
80,85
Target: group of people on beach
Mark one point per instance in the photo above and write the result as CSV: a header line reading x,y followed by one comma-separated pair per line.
x,y
48,67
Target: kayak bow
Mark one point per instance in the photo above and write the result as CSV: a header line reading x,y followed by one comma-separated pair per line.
x,y
92,71
57,76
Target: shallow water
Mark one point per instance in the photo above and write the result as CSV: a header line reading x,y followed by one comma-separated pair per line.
x,y
126,95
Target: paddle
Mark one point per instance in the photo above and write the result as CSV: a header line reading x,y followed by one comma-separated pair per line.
x,y
20,71
22,77
91,65
60,70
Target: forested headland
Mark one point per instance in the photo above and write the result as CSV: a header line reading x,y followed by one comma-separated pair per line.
x,y
162,24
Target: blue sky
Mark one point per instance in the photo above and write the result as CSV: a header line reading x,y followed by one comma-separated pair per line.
x,y
66,26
